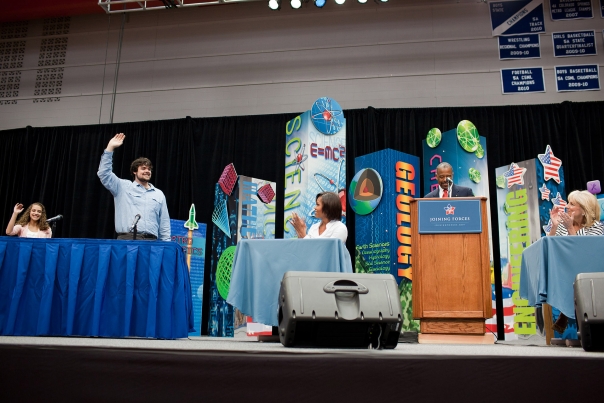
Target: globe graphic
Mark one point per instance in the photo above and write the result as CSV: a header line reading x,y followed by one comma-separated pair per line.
x,y
467,136
433,138
474,175
223,271
479,153
365,191
327,116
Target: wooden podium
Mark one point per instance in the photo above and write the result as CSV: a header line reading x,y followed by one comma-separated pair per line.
x,y
451,277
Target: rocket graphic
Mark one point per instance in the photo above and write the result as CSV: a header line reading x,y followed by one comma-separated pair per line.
x,y
191,225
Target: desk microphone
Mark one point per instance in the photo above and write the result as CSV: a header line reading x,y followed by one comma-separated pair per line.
x,y
53,219
450,183
136,218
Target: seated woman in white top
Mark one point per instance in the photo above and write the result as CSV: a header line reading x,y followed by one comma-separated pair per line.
x,y
328,209
581,219
32,224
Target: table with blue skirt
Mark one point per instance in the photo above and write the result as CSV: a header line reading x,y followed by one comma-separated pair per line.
x,y
259,266
550,265
90,287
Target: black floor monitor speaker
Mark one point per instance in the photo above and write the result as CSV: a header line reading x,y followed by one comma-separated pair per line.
x,y
339,310
589,310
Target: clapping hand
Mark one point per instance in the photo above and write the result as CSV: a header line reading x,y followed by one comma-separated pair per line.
x,y
299,225
567,219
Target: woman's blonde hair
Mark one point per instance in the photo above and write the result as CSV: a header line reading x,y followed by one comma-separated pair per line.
x,y
588,203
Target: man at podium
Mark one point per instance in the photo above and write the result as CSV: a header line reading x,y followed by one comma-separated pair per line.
x,y
444,175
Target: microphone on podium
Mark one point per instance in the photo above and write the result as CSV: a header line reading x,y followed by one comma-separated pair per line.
x,y
450,183
54,219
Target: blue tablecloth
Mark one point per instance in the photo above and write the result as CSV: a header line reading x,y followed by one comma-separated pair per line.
x,y
259,266
550,265
89,287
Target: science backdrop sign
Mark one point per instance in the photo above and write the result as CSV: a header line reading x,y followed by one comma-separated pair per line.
x,y
315,161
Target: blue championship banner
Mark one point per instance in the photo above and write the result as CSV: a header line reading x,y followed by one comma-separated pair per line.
x,y
575,43
517,17
449,216
519,47
522,80
570,9
578,78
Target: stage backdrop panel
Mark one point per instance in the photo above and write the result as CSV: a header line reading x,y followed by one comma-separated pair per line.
x,y
379,194
193,244
526,191
466,151
315,161
242,214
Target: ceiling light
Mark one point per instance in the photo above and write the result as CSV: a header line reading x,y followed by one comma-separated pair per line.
x,y
274,4
340,1
319,3
362,1
296,3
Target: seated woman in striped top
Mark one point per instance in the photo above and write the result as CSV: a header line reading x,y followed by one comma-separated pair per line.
x,y
582,218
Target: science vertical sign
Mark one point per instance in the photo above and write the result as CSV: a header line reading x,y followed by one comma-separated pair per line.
x,y
562,10
315,161
522,80
578,78
517,17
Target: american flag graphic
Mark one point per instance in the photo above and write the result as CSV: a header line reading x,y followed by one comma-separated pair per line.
x,y
551,165
515,175
547,228
558,201
544,192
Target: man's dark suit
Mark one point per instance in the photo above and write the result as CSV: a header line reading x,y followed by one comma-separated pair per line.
x,y
458,191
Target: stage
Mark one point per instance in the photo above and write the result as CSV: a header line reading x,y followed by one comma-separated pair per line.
x,y
212,369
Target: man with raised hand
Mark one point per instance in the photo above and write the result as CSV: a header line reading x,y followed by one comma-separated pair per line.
x,y
137,202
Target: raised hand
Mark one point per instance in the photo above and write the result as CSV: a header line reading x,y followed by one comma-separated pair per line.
x,y
18,208
115,142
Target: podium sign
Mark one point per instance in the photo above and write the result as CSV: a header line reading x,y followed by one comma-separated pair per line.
x,y
450,216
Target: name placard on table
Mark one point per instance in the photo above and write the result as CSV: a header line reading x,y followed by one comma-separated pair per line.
x,y
577,78
449,216
574,43
522,80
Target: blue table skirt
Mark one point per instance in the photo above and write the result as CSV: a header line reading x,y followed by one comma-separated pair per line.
x,y
550,265
89,287
259,266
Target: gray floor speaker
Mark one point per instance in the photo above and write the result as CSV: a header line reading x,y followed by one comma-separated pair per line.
x,y
339,310
589,310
